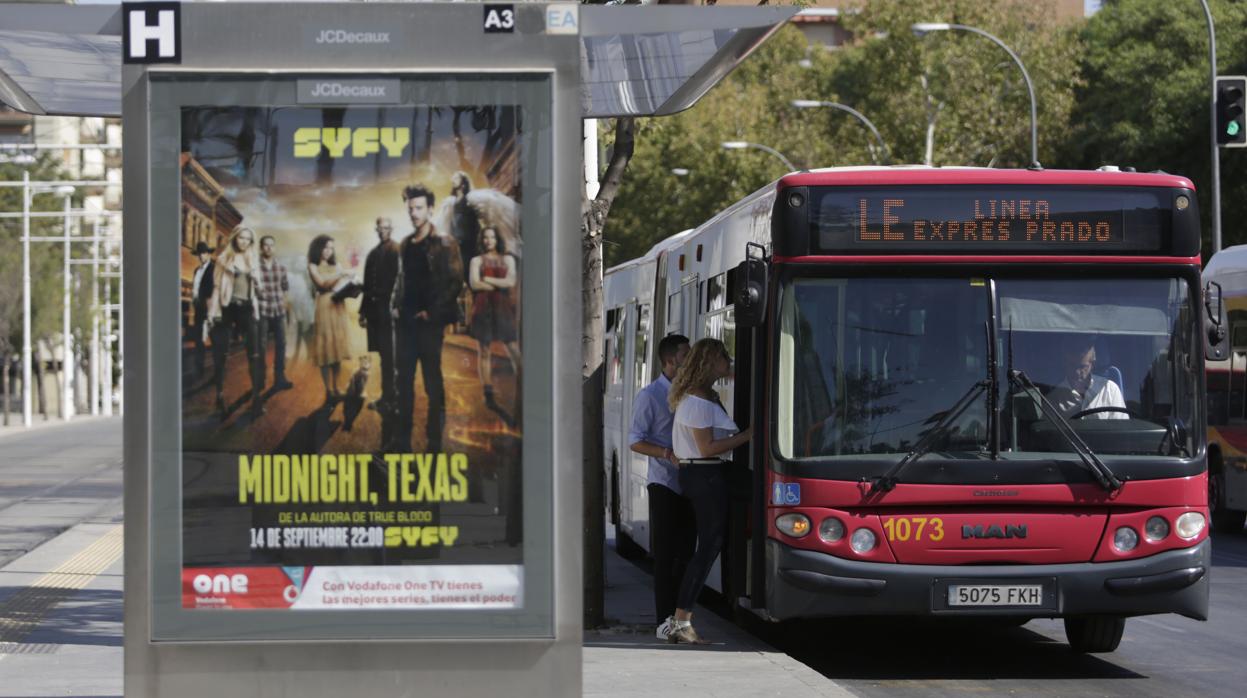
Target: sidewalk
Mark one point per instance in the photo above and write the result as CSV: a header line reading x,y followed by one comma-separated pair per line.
x,y
626,659
38,422
61,614
61,632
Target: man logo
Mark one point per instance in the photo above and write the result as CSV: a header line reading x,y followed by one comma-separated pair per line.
x,y
152,32
220,584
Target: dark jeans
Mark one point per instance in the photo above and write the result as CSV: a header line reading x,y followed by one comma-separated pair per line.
x,y
420,342
197,332
706,487
276,325
240,318
384,332
673,537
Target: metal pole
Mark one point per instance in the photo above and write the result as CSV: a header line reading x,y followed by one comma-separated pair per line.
x,y
108,346
776,153
67,367
95,319
801,103
1212,129
27,395
121,333
1030,88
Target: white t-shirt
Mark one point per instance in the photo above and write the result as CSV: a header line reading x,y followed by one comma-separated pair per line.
x,y
698,413
1100,393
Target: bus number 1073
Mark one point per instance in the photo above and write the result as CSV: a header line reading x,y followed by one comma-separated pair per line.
x,y
914,528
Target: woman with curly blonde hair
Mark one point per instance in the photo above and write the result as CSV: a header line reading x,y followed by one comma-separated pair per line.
x,y
703,437
235,309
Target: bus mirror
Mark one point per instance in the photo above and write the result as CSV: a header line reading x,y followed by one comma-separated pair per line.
x,y
751,290
1216,346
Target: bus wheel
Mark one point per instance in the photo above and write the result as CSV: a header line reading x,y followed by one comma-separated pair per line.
x,y
1223,520
1094,633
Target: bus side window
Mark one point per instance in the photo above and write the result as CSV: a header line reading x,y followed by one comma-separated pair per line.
x,y
674,318
640,349
1238,371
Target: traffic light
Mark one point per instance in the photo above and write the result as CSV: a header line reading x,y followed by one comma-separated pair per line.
x,y
1231,120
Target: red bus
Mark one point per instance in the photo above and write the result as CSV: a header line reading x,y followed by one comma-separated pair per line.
x,y
975,392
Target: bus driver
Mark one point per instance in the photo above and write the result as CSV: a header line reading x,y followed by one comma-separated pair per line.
x,y
1082,390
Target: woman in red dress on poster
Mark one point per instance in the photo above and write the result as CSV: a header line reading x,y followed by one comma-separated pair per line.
x,y
491,275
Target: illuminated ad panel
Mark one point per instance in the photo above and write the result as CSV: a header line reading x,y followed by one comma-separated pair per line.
x,y
1000,220
351,421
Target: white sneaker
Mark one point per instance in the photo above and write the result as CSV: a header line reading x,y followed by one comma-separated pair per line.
x,y
664,629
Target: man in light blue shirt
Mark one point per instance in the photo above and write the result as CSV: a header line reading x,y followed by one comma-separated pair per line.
x,y
673,528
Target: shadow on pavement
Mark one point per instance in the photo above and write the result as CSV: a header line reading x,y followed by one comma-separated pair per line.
x,y
891,649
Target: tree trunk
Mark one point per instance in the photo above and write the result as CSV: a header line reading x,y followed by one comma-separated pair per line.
x,y
43,404
593,220
7,365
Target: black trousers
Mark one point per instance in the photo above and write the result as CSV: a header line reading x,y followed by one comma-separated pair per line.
x,y
384,334
238,318
277,326
420,342
197,334
706,487
673,537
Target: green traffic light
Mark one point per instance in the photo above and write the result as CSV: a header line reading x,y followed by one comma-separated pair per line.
x,y
1232,128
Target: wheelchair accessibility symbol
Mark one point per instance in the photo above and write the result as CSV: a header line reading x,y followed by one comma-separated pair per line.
x,y
792,493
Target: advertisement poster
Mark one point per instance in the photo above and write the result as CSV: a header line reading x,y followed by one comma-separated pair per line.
x,y
351,357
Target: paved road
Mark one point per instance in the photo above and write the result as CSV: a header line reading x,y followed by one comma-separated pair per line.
x,y
54,477
1159,655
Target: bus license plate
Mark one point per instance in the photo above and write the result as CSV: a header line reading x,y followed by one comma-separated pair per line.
x,y
995,595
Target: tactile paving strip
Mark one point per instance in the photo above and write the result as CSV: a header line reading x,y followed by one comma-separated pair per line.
x,y
24,611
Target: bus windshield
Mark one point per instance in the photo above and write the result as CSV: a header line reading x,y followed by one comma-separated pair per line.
x,y
870,365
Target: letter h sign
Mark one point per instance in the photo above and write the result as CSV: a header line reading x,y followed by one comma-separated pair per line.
x,y
152,32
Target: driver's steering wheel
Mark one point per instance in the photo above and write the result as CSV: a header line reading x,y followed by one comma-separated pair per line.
x,y
1109,408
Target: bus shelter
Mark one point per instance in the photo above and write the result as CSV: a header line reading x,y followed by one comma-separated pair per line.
x,y
353,442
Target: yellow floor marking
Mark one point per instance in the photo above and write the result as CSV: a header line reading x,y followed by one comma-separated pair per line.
x,y
22,612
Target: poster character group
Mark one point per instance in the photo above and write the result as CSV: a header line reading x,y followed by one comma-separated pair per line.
x,y
351,357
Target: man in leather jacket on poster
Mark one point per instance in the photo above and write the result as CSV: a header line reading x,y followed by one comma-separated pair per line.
x,y
426,291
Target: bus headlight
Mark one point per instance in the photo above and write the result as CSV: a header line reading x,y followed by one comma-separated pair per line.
x,y
795,525
1190,524
831,530
1156,528
1125,539
862,541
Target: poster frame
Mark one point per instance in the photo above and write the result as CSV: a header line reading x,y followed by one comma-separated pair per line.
x,y
169,92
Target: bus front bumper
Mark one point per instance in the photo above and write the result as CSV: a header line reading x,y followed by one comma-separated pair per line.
x,y
804,584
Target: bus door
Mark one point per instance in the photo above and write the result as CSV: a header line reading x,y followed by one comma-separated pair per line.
x,y
635,466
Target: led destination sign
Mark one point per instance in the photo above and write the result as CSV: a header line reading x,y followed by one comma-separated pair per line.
x,y
1005,219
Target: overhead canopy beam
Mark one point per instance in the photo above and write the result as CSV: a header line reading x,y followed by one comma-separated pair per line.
x,y
635,60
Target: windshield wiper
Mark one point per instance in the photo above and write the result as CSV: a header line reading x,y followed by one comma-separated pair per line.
x,y
1102,473
888,480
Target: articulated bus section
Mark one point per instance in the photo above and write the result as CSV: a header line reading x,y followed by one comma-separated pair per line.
x,y
974,392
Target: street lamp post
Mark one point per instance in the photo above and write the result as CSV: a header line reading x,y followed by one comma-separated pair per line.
x,y
921,29
67,360
1212,110
741,145
814,103
28,193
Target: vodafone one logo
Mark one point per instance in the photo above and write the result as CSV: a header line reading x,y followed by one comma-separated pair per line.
x,y
220,584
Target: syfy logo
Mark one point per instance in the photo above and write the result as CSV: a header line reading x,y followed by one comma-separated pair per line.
x,y
220,584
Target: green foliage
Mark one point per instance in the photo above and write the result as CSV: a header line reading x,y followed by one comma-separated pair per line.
x,y
1145,101
45,260
961,88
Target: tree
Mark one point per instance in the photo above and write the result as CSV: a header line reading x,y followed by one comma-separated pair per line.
x,y
1145,99
948,99
45,262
